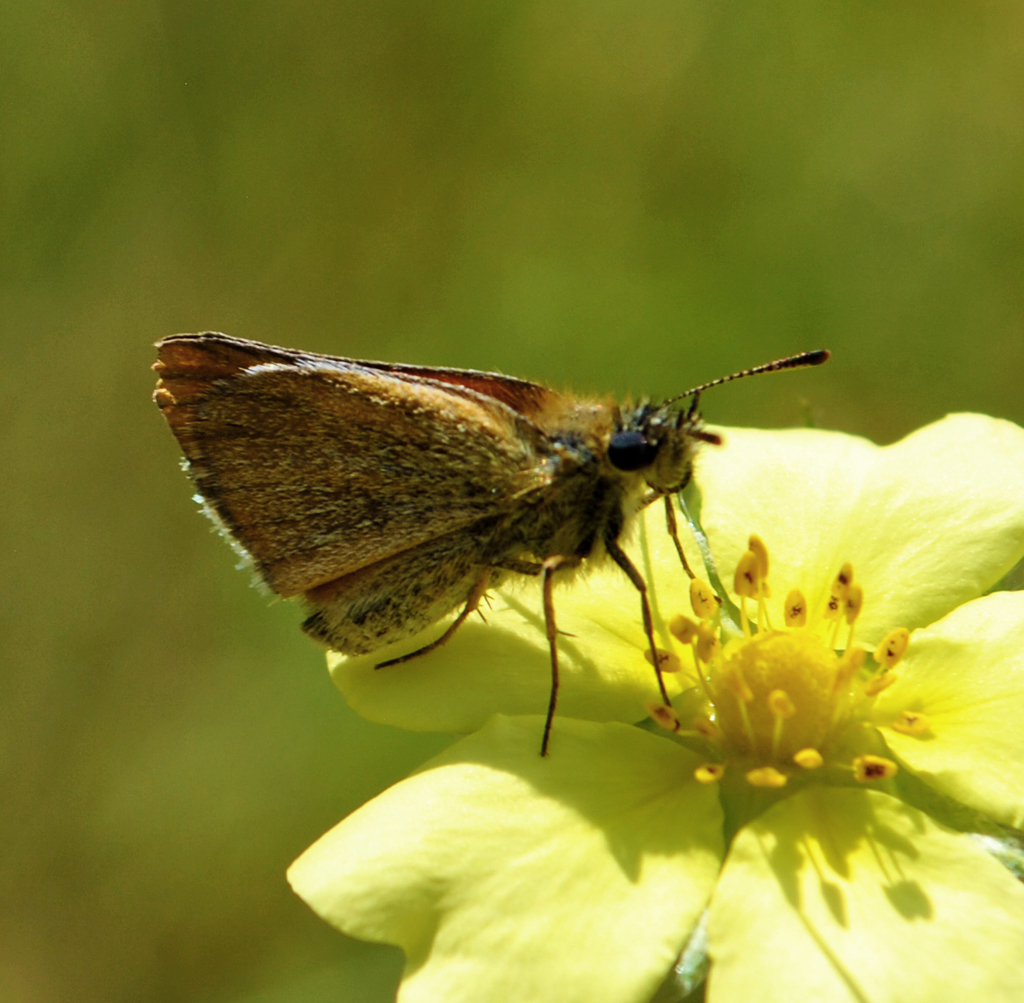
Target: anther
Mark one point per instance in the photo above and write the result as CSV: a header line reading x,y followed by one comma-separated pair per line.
x,y
780,704
849,666
853,603
808,759
766,776
683,629
868,768
708,645
737,685
709,773
843,581
795,609
668,661
707,728
757,547
665,716
781,707
746,579
911,723
892,648
703,600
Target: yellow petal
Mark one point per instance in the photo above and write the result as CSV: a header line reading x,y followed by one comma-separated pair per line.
x,y
503,665
966,676
849,896
504,876
928,523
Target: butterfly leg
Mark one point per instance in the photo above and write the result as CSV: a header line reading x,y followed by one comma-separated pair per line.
x,y
673,531
618,555
475,595
550,567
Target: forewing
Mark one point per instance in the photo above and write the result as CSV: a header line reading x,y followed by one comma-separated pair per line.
x,y
526,398
229,354
320,466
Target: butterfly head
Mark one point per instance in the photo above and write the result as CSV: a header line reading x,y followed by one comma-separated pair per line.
x,y
658,441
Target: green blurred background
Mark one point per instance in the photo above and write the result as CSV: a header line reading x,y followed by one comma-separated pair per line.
x,y
613,197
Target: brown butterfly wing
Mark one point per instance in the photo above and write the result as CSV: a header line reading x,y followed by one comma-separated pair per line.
x,y
321,466
528,399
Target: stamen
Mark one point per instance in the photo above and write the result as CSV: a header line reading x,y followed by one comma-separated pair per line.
x,y
706,727
853,603
834,611
808,759
703,600
663,715
836,604
780,704
760,551
911,723
689,633
852,607
781,707
868,768
668,661
708,645
745,586
757,547
892,648
782,696
766,776
745,580
683,629
795,609
849,665
709,773
843,581
876,684
733,678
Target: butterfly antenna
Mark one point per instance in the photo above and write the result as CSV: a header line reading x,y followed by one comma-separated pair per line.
x,y
799,361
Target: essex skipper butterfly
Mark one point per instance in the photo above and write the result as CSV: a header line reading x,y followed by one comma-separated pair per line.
x,y
390,495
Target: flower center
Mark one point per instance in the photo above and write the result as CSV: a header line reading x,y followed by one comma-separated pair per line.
x,y
775,693
777,700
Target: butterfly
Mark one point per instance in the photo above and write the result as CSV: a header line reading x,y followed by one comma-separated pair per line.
x,y
388,496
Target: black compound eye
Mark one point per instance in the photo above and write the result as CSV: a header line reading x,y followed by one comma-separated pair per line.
x,y
631,451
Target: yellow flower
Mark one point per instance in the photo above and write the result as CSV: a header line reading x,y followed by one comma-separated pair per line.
x,y
865,706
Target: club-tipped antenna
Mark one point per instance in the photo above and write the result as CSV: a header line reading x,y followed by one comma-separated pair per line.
x,y
798,361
